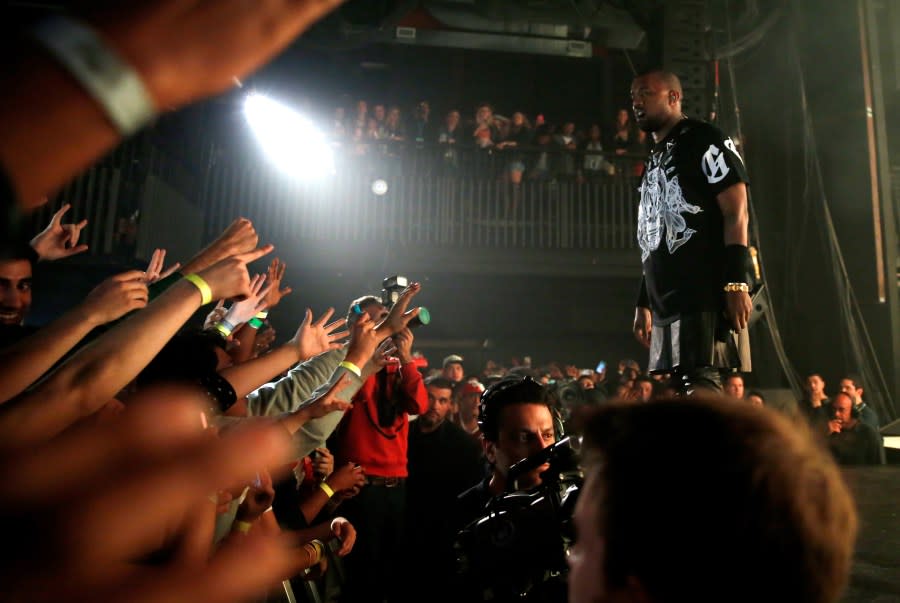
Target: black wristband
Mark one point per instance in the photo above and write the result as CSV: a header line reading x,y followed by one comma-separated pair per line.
x,y
643,299
737,264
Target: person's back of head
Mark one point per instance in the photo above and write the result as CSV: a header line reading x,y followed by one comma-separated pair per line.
x,y
733,503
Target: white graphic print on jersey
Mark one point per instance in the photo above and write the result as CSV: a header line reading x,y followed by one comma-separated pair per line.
x,y
662,207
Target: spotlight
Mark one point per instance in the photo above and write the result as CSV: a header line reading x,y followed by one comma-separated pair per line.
x,y
290,140
380,187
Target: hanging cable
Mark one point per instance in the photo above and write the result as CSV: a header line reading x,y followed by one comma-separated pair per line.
x,y
787,368
856,334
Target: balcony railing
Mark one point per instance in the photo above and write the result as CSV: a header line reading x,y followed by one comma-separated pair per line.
x,y
437,197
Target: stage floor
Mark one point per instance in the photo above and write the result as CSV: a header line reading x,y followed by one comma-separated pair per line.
x,y
876,569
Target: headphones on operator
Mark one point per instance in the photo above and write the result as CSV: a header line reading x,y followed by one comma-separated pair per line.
x,y
855,411
515,389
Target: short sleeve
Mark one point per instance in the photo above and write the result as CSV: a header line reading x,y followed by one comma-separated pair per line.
x,y
721,166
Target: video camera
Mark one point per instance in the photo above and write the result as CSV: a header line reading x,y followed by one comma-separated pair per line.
x,y
518,549
392,287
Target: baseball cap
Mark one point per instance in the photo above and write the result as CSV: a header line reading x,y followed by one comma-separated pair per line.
x,y
452,359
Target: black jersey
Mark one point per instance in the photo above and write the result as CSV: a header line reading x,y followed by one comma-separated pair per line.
x,y
680,225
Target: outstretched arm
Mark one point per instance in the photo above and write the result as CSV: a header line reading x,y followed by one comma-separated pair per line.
x,y
23,363
93,375
181,51
311,339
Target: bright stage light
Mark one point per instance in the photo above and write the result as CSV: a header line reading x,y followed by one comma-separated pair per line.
x,y
290,140
380,187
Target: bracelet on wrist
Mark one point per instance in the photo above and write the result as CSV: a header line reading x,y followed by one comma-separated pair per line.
x,y
114,84
326,488
225,328
732,287
202,286
351,367
241,526
255,323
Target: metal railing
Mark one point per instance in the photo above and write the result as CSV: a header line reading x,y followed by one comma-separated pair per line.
x,y
434,198
463,199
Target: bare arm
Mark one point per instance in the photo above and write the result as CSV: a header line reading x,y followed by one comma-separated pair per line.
x,y
311,339
52,129
94,375
22,364
733,203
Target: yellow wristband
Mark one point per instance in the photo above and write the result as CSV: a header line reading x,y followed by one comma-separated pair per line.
x,y
326,489
203,286
351,367
242,526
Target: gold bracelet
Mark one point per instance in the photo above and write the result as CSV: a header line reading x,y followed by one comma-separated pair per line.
x,y
326,489
730,287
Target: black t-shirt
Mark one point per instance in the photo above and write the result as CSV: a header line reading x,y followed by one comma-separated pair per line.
x,y
680,225
858,446
441,464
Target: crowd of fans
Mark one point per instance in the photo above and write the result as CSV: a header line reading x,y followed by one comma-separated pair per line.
x,y
158,444
523,148
845,423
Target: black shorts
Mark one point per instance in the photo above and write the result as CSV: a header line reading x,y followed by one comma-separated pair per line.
x,y
701,339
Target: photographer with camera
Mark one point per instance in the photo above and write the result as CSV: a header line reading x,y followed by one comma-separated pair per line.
x,y
516,417
513,525
374,434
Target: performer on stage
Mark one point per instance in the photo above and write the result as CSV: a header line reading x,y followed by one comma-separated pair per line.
x,y
694,303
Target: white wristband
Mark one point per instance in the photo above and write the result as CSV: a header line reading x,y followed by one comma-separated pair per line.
x,y
110,80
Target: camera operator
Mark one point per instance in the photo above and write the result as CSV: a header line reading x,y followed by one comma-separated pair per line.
x,y
516,416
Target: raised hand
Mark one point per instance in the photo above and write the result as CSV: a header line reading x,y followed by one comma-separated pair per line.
x,y
229,277
189,50
116,296
320,406
383,354
398,318
156,268
327,402
154,460
364,339
59,240
215,315
315,337
255,302
275,275
239,237
403,341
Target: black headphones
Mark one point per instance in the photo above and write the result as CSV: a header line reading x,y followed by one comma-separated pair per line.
x,y
490,403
